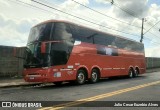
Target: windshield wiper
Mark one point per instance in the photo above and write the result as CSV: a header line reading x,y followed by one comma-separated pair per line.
x,y
92,36
20,57
32,65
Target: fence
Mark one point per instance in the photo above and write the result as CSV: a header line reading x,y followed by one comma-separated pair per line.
x,y
152,62
10,66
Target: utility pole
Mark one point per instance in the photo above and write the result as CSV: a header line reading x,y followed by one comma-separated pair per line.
x,y
112,2
142,30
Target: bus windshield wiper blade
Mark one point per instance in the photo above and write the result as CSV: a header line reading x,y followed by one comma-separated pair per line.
x,y
92,35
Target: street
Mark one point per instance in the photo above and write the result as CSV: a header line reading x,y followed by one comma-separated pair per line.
x,y
146,87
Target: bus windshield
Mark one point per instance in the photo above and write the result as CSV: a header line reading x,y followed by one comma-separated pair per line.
x,y
57,53
34,57
40,33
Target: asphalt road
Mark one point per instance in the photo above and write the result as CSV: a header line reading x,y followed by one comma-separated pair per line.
x,y
143,88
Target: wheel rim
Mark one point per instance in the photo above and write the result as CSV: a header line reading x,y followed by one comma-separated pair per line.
x,y
81,77
136,73
131,74
94,76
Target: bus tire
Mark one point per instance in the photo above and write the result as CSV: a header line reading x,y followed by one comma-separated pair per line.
x,y
136,72
81,77
130,73
58,83
94,76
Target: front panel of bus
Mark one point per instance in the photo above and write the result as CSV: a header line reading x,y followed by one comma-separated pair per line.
x,y
58,44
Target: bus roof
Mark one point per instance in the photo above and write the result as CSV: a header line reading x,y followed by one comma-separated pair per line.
x,y
65,21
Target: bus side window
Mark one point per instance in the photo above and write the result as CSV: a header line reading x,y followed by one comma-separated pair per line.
x,y
81,34
100,39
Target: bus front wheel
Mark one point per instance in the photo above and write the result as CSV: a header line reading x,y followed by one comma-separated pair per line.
x,y
81,77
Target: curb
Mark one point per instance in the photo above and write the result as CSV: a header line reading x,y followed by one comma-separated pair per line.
x,y
151,71
18,85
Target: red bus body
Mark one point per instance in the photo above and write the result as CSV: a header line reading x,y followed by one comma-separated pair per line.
x,y
88,56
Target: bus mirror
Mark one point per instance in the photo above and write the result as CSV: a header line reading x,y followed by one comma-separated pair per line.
x,y
43,47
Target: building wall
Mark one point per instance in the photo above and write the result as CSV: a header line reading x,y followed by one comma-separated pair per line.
x,y
11,66
152,62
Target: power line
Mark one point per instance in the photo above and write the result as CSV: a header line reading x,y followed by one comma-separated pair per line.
x,y
52,12
135,16
103,14
155,35
81,18
126,10
152,27
26,4
152,43
44,1
29,5
149,23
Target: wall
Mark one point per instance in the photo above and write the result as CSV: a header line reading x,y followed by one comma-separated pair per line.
x,y
152,62
10,66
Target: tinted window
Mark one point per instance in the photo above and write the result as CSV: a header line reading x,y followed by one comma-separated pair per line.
x,y
91,36
61,31
128,45
40,32
82,34
60,52
104,39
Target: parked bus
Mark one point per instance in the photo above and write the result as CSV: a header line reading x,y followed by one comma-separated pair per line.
x,y
59,51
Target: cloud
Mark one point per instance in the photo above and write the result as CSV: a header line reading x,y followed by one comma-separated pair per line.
x,y
152,52
4,3
24,26
104,1
136,8
15,33
26,1
154,12
69,4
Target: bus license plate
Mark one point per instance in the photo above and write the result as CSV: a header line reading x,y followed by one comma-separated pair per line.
x,y
31,77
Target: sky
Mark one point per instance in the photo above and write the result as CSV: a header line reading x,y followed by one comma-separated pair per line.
x,y
123,17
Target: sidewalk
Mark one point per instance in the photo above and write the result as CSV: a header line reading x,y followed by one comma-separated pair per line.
x,y
152,70
14,82
4,83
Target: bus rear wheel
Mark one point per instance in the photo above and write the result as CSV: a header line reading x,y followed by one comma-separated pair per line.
x,y
94,76
136,73
81,77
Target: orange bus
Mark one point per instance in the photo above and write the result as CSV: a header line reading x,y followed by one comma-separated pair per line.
x,y
59,51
